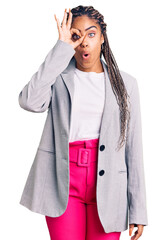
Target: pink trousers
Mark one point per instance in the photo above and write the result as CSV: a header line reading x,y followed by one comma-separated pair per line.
x,y
80,221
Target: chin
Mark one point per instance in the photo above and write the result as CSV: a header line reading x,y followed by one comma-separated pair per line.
x,y
85,64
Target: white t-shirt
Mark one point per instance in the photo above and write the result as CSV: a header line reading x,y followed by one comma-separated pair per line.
x,y
88,105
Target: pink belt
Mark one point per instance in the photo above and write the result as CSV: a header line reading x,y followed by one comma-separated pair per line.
x,y
83,152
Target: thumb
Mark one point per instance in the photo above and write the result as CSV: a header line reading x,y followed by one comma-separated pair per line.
x,y
131,229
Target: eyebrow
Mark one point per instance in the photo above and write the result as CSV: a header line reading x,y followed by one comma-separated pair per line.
x,y
88,28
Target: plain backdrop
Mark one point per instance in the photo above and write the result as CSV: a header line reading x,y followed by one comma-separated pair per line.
x,y
136,32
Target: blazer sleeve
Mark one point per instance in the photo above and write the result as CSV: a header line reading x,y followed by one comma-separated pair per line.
x,y
37,93
136,189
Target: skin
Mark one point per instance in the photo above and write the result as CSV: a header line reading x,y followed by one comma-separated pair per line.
x,y
87,40
137,233
91,43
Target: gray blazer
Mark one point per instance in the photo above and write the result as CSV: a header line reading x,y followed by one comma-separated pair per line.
x,y
121,190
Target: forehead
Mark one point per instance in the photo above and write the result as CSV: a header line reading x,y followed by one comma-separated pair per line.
x,y
84,22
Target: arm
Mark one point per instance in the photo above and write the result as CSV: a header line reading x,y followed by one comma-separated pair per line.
x,y
136,190
36,94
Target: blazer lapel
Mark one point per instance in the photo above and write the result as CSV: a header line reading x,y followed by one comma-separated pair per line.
x,y
110,100
109,106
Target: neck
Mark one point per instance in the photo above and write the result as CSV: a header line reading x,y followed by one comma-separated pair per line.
x,y
98,67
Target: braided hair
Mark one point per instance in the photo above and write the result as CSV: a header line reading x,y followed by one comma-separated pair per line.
x,y
116,80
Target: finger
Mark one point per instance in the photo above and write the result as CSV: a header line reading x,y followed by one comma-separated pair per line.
x,y
55,17
81,38
64,17
76,31
58,24
133,238
136,235
140,231
69,19
79,41
130,231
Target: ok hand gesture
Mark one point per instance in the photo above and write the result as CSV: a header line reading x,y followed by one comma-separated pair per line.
x,y
66,33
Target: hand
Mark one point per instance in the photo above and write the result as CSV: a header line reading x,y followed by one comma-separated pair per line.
x,y
138,233
66,33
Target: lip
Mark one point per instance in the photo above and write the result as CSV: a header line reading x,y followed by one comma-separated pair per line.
x,y
83,54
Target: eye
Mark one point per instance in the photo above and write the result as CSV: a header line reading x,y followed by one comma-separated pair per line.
x,y
93,34
75,36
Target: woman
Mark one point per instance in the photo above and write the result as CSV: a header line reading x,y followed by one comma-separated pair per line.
x,y
80,179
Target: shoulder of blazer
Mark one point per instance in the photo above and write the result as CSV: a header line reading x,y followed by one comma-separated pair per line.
x,y
129,81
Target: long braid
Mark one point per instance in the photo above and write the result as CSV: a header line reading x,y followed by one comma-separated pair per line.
x,y
116,80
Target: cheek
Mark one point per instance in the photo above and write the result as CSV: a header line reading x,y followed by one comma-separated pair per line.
x,y
77,55
96,48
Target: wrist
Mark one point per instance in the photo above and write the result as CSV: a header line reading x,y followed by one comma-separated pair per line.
x,y
67,43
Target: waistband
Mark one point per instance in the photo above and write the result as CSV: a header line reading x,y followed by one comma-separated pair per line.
x,y
89,143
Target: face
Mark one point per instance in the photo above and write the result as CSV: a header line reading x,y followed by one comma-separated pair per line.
x,y
90,45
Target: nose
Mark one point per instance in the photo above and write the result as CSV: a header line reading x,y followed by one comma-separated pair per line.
x,y
84,42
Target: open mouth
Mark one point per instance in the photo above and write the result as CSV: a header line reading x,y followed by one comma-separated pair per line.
x,y
86,56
